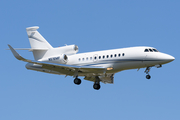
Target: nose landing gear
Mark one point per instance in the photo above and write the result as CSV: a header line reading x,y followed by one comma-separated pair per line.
x,y
148,76
147,72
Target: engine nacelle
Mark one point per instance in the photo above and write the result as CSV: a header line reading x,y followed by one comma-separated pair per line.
x,y
62,59
59,54
69,49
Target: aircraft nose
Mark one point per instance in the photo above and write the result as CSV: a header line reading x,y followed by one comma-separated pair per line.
x,y
167,58
172,58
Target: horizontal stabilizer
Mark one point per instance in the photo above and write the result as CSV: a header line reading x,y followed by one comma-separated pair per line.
x,y
20,49
30,49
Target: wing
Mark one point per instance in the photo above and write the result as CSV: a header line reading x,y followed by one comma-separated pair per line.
x,y
67,69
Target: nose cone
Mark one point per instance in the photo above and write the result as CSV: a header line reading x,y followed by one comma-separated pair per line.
x,y
166,58
169,58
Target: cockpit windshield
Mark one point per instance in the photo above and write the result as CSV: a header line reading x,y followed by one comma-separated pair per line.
x,y
146,50
155,50
151,50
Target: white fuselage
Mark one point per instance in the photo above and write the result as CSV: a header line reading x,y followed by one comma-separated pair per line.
x,y
116,60
121,59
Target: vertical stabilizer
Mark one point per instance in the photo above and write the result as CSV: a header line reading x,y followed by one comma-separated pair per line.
x,y
36,40
38,44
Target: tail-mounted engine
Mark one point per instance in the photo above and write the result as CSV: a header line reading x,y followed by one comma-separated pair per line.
x,y
62,59
69,49
60,54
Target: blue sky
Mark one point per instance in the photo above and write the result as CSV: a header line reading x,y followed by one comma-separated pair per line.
x,y
92,25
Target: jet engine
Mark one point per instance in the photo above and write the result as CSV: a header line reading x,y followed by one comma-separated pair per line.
x,y
68,49
62,59
58,54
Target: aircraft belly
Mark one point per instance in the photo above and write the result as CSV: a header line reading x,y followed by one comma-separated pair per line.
x,y
62,71
128,65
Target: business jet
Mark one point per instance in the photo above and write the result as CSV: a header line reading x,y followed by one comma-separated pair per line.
x,y
99,66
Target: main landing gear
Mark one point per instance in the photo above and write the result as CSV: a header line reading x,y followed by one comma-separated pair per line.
x,y
77,81
96,85
147,72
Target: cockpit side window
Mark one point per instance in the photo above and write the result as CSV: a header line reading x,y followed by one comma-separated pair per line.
x,y
155,50
146,50
150,50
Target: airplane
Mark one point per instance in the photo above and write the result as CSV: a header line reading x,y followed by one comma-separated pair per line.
x,y
98,66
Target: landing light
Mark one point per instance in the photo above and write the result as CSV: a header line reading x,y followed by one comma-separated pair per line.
x,y
109,68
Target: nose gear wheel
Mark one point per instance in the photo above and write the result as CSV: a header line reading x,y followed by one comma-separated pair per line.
x,y
148,76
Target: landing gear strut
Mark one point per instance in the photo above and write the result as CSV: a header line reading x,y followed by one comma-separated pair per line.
x,y
77,81
96,85
147,72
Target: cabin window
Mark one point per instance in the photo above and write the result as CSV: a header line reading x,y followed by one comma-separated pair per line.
x,y
90,58
111,56
79,59
146,50
119,55
99,57
150,50
103,56
87,58
115,55
95,57
107,56
83,59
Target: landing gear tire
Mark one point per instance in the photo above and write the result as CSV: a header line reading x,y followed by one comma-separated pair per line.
x,y
96,86
77,81
148,76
